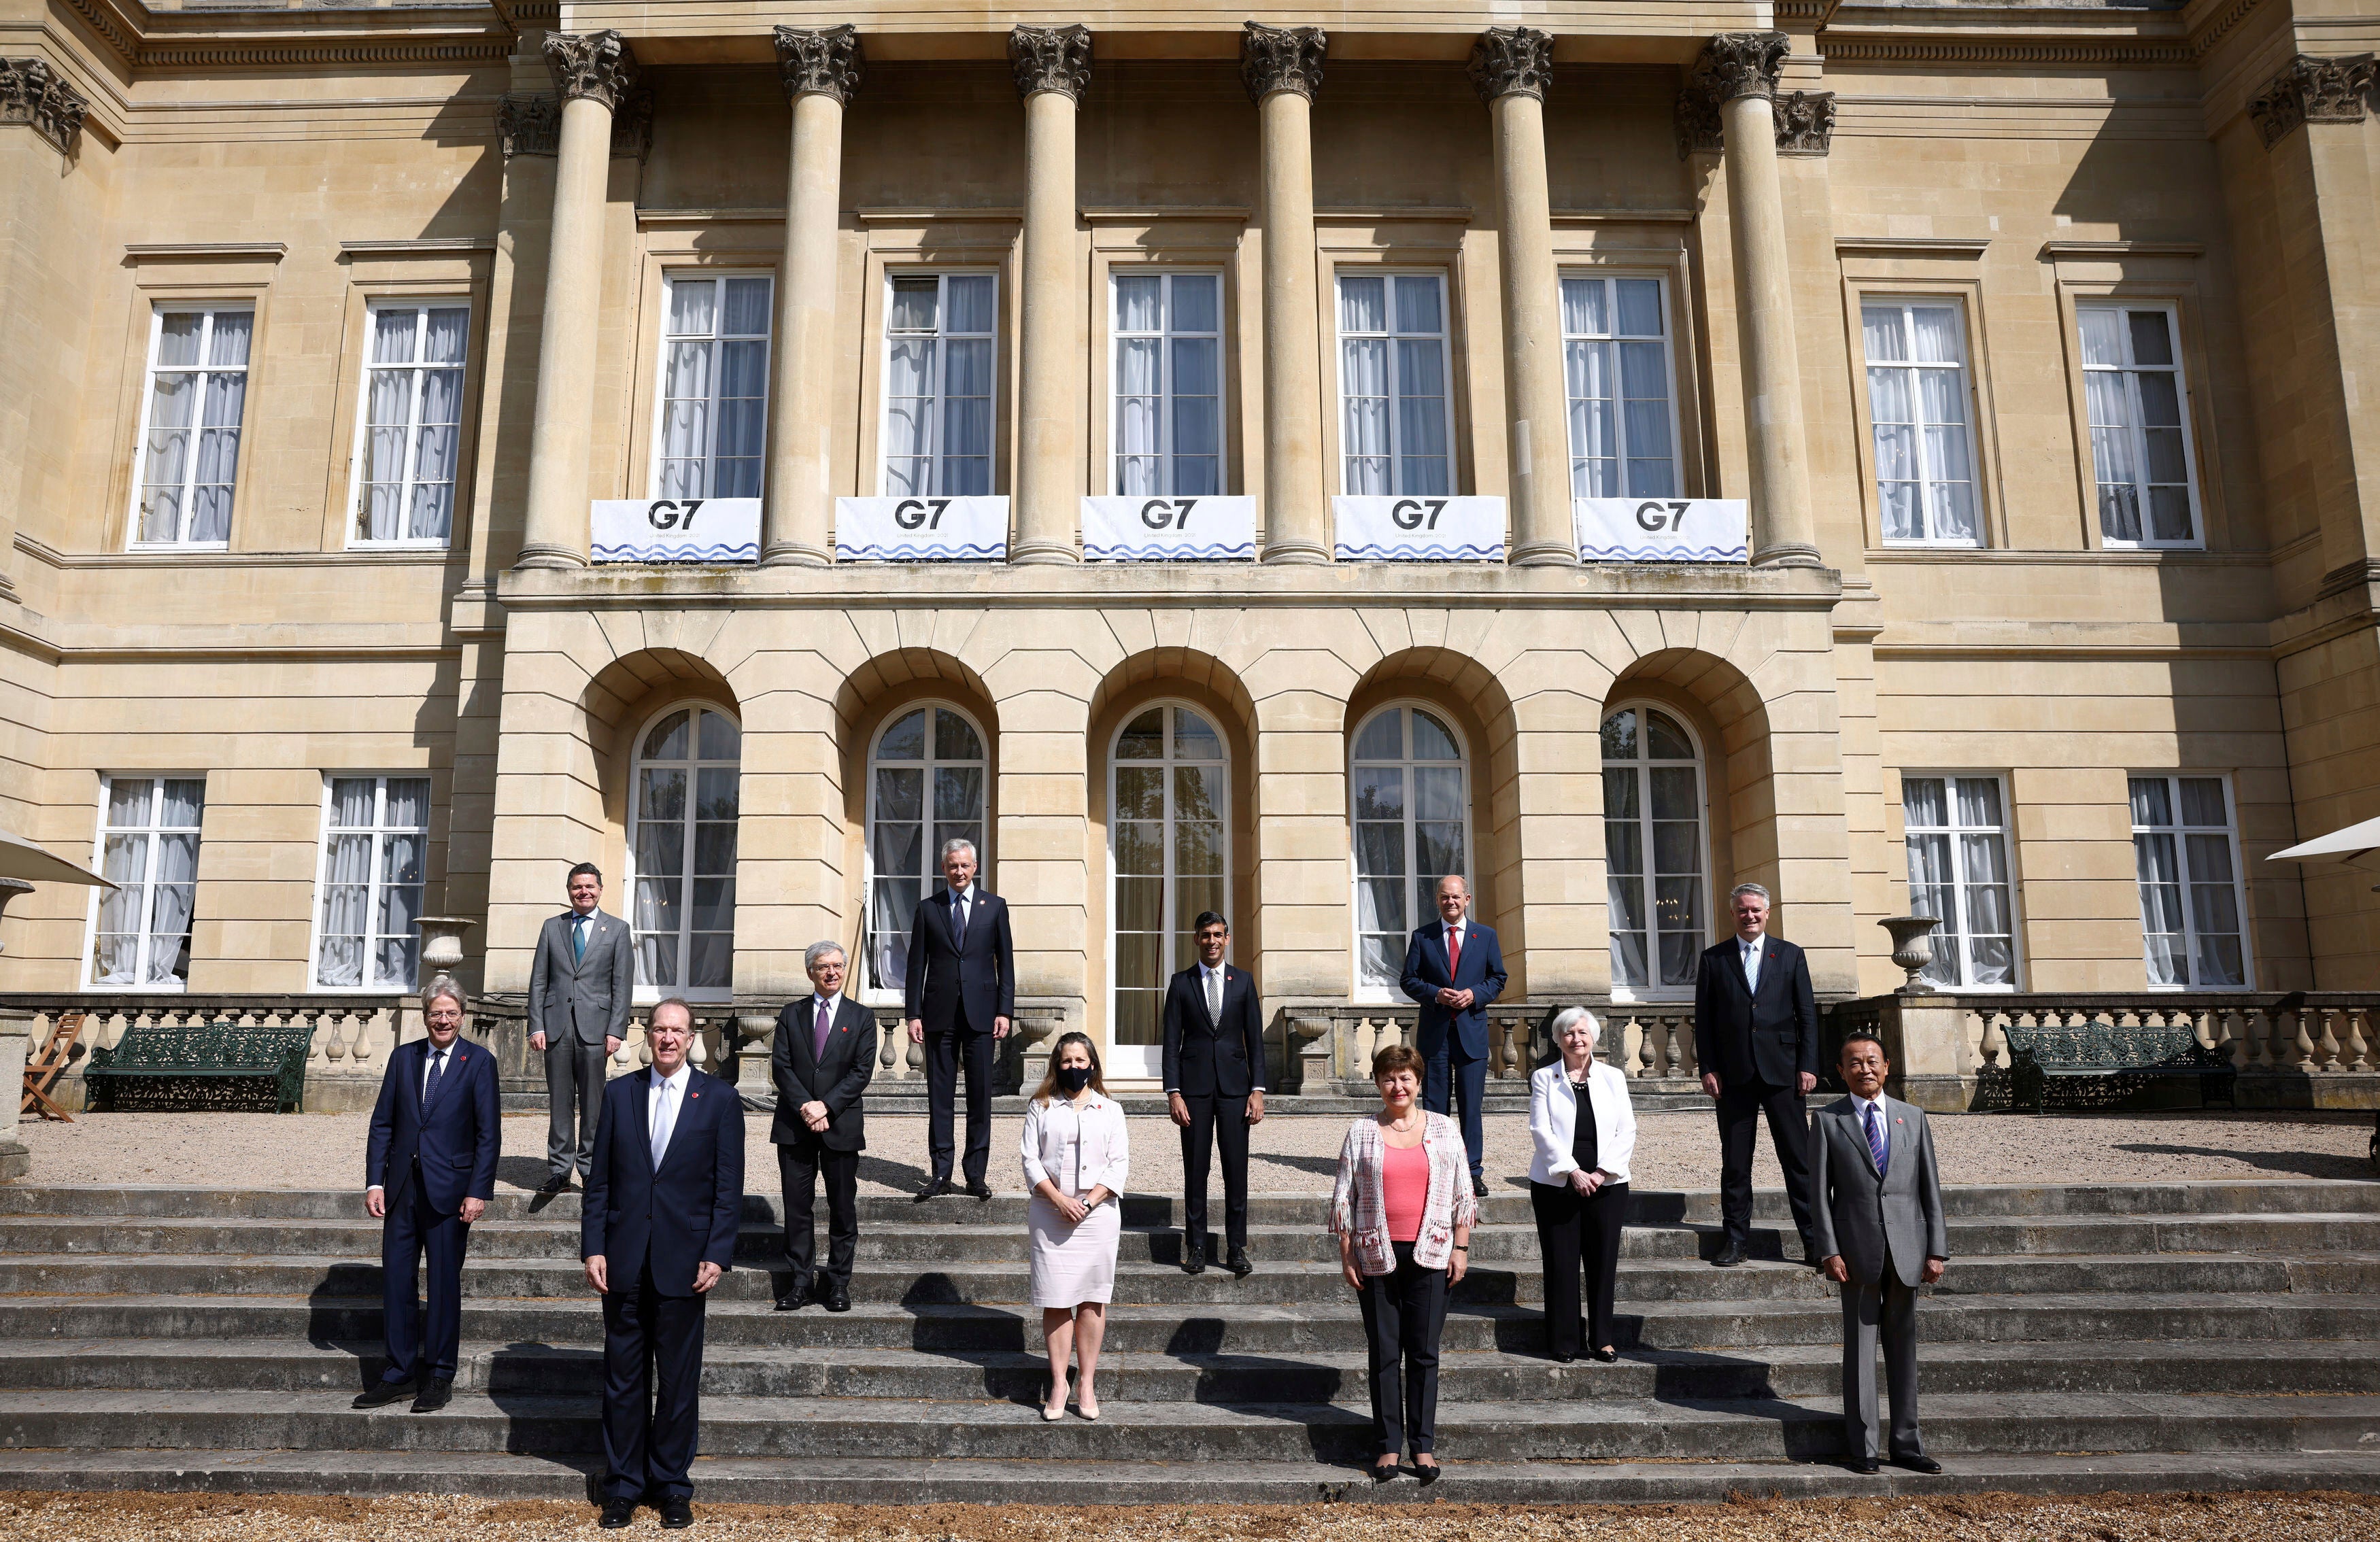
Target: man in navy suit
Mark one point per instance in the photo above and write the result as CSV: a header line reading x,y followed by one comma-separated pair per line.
x,y
657,1232
1454,969
1756,1040
1214,1062
430,1170
960,1001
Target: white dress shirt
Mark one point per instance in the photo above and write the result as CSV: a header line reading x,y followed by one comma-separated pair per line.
x,y
662,1106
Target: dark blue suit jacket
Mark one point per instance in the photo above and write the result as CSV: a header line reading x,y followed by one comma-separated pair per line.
x,y
1425,975
683,1215
944,977
453,1143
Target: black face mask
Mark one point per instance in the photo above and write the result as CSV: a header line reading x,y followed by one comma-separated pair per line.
x,y
1074,1078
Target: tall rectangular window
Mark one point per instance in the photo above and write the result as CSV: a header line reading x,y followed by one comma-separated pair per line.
x,y
412,424
189,427
149,849
1622,418
1392,384
2140,452
2190,899
714,407
375,829
1917,405
1168,383
1957,834
938,358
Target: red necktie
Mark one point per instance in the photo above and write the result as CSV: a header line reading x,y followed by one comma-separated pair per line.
x,y
1453,950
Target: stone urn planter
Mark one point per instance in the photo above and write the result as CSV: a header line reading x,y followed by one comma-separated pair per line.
x,y
1912,949
441,944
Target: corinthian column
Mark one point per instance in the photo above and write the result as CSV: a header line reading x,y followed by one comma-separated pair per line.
x,y
594,73
1738,73
1282,68
1053,65
1512,67
821,69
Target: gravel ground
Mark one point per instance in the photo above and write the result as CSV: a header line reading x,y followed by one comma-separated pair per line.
x,y
34,1517
1289,1155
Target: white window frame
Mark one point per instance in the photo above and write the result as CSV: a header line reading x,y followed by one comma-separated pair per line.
x,y
671,278
1668,368
374,883
139,986
1926,480
1653,991
157,315
871,991
1144,1060
1363,992
360,459
646,995
942,334
1117,337
1959,880
2138,426
1444,337
2179,831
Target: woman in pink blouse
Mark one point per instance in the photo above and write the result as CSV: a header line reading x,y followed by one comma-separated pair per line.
x,y
1403,1212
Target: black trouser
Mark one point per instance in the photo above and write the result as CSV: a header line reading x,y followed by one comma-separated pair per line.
x,y
945,1054
573,1085
1215,1121
1741,1104
1404,1313
799,1165
1575,1230
648,1430
417,1353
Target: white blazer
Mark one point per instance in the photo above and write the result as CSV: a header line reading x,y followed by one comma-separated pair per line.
x,y
1077,1149
1553,1122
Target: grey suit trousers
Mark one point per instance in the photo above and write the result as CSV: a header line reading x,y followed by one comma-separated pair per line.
x,y
574,1085
1891,1308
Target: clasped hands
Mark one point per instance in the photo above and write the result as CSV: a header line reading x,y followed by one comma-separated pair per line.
x,y
1072,1208
1458,1000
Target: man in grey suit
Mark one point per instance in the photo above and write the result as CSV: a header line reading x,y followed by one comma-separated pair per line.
x,y
1877,1233
580,984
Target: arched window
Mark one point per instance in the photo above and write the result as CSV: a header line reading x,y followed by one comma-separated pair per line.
x,y
1652,843
924,786
682,840
1410,792
1168,841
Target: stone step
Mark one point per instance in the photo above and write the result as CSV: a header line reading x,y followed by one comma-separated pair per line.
x,y
1312,1376
840,1428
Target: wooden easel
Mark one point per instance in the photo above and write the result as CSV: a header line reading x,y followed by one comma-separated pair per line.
x,y
43,1069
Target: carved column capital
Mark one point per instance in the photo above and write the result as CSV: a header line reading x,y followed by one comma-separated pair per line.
x,y
596,65
1739,63
2313,91
1050,59
1805,123
1281,59
827,61
34,94
1512,61
530,123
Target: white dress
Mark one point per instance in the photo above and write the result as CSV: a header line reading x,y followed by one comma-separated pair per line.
x,y
1077,1149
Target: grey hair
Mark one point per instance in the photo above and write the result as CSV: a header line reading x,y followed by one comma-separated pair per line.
x,y
1570,1014
1742,889
816,951
958,843
443,985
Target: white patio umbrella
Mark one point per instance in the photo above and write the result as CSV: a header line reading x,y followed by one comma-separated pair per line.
x,y
19,858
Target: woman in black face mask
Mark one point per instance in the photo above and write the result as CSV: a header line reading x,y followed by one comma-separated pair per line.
x,y
1074,1164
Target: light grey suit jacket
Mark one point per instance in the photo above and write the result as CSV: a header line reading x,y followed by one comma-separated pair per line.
x,y
1875,1221
586,998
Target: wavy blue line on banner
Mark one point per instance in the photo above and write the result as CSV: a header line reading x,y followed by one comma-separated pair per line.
x,y
1697,553
1157,552
747,552
995,551
1377,552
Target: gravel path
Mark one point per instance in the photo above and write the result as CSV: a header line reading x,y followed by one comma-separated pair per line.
x,y
1290,1156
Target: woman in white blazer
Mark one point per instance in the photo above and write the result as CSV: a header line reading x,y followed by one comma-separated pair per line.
x,y
1583,1131
1076,1163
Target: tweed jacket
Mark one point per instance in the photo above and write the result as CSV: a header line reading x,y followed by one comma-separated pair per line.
x,y
1359,1208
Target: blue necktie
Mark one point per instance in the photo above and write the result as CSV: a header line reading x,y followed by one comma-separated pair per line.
x,y
437,1073
1875,1147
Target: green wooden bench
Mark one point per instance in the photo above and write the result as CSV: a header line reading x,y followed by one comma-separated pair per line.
x,y
206,1065
2098,1048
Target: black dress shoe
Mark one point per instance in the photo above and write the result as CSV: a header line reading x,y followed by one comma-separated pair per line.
x,y
1194,1258
617,1514
1608,1356
1238,1263
1478,1191
676,1514
1561,1359
382,1393
1730,1256
935,1188
1864,1465
556,1183
1921,1463
437,1395
978,1190
796,1296
836,1297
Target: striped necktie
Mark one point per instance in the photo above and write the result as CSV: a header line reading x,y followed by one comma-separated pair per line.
x,y
1875,1147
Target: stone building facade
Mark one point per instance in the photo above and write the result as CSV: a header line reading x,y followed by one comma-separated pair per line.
x,y
2030,335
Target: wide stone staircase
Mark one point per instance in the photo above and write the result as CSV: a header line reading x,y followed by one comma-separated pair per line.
x,y
2086,1337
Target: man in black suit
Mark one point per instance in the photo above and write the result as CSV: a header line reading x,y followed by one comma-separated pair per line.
x,y
1756,1040
1454,969
430,1170
824,1054
961,997
657,1232
1214,1083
